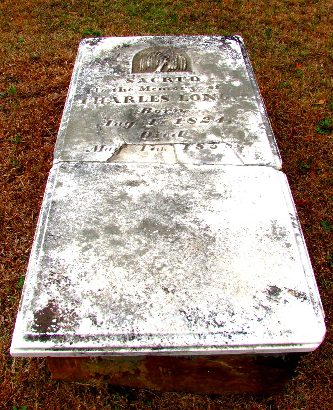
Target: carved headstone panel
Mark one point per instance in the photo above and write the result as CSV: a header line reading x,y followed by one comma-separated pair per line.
x,y
161,60
156,90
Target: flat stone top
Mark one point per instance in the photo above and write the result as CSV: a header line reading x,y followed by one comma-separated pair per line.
x,y
167,259
171,91
153,237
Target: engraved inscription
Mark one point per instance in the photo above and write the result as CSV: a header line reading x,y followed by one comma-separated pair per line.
x,y
162,127
159,89
161,60
158,147
183,147
122,124
160,135
197,153
139,99
169,92
201,120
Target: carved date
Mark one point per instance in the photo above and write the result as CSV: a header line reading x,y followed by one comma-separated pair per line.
x,y
201,120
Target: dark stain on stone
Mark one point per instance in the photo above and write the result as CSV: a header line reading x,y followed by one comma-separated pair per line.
x,y
93,319
133,183
122,198
302,296
267,309
273,291
112,229
191,316
167,290
90,234
212,321
92,42
115,243
86,248
46,319
279,232
196,317
150,226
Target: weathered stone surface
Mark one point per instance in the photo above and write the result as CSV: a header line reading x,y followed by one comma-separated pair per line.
x,y
154,237
198,374
170,259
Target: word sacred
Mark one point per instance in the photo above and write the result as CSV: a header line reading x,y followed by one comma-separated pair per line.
x,y
161,79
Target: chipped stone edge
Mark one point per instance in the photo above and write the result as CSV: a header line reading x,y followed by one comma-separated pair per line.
x,y
19,331
260,101
303,252
68,105
175,351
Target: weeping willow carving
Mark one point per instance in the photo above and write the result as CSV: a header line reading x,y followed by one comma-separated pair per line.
x,y
161,60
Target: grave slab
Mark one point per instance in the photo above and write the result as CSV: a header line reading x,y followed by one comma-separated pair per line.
x,y
149,258
167,226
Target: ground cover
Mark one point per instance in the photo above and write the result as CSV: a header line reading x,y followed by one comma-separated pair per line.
x,y
290,43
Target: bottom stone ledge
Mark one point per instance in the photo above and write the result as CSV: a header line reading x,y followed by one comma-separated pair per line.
x,y
196,374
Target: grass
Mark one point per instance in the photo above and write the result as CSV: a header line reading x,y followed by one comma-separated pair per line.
x,y
290,46
325,126
326,225
90,32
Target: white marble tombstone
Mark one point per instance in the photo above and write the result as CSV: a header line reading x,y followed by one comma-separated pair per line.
x,y
167,225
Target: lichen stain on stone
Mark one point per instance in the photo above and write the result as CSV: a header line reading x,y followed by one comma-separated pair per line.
x,y
46,319
133,183
92,42
208,319
279,232
302,296
154,227
274,292
50,319
260,306
112,229
90,234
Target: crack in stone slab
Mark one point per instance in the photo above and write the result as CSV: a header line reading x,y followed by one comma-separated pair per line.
x,y
196,153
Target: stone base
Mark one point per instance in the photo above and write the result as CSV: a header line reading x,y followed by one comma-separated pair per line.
x,y
197,374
